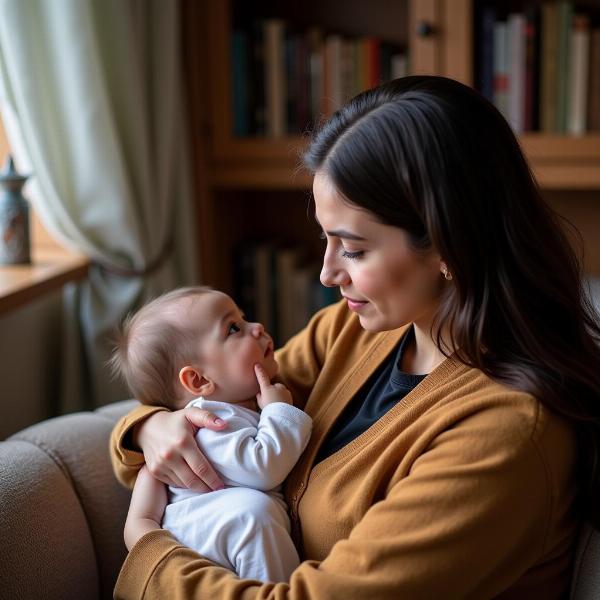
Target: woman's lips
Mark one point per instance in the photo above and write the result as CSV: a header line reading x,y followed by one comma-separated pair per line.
x,y
355,305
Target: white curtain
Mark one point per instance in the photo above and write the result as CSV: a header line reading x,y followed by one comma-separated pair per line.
x,y
91,97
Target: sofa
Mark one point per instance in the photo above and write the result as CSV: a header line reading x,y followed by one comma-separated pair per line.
x,y
62,513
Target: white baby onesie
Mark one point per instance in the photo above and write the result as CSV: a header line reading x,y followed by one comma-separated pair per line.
x,y
244,527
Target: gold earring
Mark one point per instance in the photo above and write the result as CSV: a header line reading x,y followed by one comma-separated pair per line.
x,y
447,274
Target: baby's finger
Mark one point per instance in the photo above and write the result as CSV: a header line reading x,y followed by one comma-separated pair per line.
x,y
261,377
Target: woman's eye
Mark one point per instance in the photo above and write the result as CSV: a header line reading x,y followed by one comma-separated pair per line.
x,y
352,255
322,236
233,328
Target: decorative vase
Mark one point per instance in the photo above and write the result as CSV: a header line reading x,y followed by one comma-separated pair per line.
x,y
14,217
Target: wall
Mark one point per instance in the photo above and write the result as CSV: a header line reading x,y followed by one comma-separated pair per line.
x,y
30,367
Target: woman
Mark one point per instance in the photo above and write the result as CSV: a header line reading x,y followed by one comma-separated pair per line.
x,y
454,391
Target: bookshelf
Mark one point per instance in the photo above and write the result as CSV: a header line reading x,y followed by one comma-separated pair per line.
x,y
250,187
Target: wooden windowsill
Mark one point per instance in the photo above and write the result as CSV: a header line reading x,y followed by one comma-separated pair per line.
x,y
51,267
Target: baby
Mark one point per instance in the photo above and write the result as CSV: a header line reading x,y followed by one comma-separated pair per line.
x,y
192,347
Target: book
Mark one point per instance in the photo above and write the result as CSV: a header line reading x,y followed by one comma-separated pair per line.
x,y
256,80
314,41
565,14
501,80
347,67
549,72
333,82
245,279
516,71
292,85
593,116
399,65
239,83
276,94
579,70
532,52
486,51
263,287
373,61
286,261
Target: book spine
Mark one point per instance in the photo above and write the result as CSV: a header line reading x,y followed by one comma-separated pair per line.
x,y
549,62
593,119
565,10
275,78
292,85
373,62
333,89
347,70
303,99
399,65
486,75
239,83
314,38
578,87
516,69
532,49
501,81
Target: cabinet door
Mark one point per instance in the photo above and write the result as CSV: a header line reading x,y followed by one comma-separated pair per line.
x,y
441,37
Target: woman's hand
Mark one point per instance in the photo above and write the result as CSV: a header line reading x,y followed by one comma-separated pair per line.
x,y
269,392
171,452
148,502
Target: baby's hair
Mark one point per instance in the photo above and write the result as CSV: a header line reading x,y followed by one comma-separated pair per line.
x,y
153,344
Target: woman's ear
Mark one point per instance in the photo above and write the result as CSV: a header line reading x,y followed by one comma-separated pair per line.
x,y
195,383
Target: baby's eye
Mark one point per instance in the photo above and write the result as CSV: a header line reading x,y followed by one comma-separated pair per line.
x,y
233,328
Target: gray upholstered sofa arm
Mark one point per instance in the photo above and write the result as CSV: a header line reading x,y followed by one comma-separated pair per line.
x,y
61,509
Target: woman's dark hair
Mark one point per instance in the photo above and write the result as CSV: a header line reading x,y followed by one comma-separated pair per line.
x,y
435,158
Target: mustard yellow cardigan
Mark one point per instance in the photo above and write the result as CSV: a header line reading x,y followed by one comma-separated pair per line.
x,y
464,489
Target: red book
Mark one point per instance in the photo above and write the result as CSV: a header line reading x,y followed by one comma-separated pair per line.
x,y
373,61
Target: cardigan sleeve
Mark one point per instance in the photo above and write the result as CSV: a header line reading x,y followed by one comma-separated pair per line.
x,y
127,461
474,514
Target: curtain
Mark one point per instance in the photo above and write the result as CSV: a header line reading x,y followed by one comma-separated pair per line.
x,y
91,97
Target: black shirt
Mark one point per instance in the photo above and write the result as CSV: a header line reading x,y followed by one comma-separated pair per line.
x,y
384,389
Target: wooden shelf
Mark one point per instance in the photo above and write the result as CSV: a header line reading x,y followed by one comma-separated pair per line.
x,y
51,268
559,162
564,162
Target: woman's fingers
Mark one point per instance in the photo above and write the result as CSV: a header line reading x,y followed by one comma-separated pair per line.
x,y
197,473
171,452
202,418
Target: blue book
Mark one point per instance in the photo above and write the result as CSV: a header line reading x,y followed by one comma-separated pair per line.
x,y
239,83
486,52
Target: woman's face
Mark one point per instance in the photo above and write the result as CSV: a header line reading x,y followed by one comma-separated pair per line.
x,y
383,280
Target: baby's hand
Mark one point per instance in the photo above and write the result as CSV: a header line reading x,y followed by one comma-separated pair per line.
x,y
270,393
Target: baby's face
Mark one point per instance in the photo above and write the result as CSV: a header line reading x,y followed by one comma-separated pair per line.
x,y
230,347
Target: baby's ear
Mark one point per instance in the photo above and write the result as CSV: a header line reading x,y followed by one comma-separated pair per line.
x,y
195,383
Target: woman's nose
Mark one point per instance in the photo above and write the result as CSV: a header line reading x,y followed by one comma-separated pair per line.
x,y
333,276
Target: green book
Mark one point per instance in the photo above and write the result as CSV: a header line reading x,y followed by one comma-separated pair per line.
x,y
565,18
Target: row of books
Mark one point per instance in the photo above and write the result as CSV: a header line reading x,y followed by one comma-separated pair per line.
x,y
284,80
278,287
541,67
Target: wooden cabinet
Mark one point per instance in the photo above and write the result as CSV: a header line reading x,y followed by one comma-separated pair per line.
x,y
252,187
